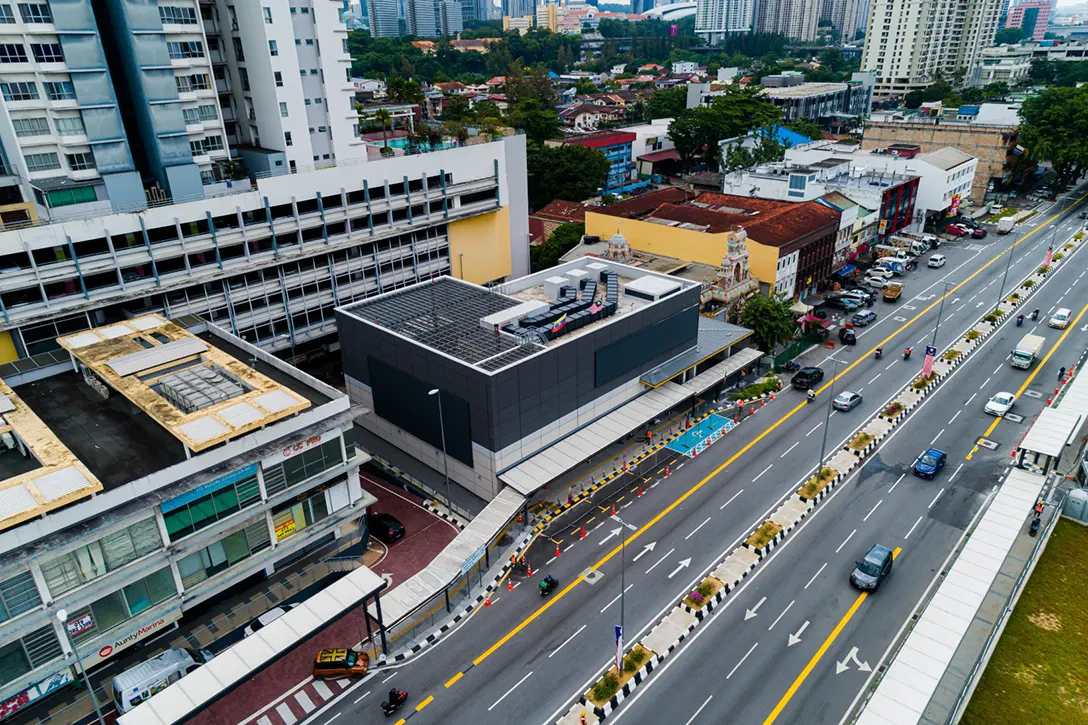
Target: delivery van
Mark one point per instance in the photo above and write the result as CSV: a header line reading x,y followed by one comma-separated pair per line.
x,y
138,683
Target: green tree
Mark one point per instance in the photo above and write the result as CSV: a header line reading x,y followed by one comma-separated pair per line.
x,y
997,89
806,128
584,87
384,118
539,123
1055,128
563,239
769,319
486,109
565,171
456,130
670,103
697,131
1009,36
404,90
457,109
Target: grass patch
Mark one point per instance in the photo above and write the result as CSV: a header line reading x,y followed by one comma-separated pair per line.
x,y
951,355
992,317
767,385
892,410
1007,211
1037,673
1078,235
1028,284
813,487
703,593
860,441
923,380
1014,297
1043,270
973,335
763,535
612,681
1030,215
1056,257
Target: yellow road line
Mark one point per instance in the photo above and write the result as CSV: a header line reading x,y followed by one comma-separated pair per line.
x,y
1069,328
425,703
453,680
732,459
399,722
819,654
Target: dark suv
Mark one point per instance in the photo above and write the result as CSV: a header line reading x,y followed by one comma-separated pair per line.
x,y
873,569
807,378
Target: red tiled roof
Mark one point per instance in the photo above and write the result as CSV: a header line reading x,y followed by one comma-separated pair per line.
x,y
775,223
451,86
560,210
600,139
656,156
643,204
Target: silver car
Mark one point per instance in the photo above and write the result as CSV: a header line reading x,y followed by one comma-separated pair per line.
x,y
846,400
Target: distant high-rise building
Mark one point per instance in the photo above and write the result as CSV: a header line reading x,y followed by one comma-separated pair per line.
x,y
420,19
717,18
518,8
1030,16
796,19
843,16
450,18
638,7
384,18
908,44
547,16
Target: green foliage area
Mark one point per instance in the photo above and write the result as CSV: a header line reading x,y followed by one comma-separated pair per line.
x,y
697,131
562,240
1057,72
769,319
668,104
1055,128
1009,36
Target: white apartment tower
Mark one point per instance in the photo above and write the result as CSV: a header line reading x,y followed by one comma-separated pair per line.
x,y
796,19
717,18
909,42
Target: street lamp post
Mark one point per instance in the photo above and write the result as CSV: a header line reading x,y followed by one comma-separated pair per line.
x,y
939,311
623,579
62,616
445,458
827,418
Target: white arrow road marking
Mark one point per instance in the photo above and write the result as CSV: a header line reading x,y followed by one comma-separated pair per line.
x,y
955,300
659,561
388,578
645,550
614,532
795,638
737,666
684,564
780,616
749,613
841,667
1084,329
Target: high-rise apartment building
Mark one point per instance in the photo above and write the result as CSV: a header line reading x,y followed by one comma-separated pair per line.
x,y
384,18
715,19
450,17
796,19
843,16
420,19
547,16
1031,16
518,8
909,42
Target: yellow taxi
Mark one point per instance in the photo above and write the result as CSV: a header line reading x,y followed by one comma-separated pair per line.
x,y
334,663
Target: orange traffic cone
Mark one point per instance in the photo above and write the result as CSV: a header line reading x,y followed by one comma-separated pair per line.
x,y
762,403
529,572
640,490
583,532
510,584
613,509
487,601
668,471
557,551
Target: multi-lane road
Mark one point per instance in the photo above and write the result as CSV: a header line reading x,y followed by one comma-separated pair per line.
x,y
528,658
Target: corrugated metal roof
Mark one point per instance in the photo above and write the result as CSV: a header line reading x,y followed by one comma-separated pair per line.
x,y
159,355
203,429
6,406
15,500
60,483
1057,424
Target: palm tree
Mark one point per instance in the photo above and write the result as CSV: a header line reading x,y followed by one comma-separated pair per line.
x,y
384,117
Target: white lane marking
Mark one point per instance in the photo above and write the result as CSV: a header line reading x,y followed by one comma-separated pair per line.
x,y
660,560
762,472
890,366
332,718
705,703
912,528
996,370
362,697
616,599
549,561
738,493
935,499
322,689
387,679
567,641
984,384
780,616
970,399
871,512
874,379
697,528
936,437
523,679
846,540
957,415
737,666
264,720
790,449
922,339
972,297
304,701
816,574
901,475
955,473
813,429
285,714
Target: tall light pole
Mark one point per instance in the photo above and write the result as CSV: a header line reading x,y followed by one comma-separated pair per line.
x,y
939,311
445,458
62,616
623,578
1001,287
827,418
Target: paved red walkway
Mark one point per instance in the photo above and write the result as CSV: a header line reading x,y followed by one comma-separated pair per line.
x,y
275,690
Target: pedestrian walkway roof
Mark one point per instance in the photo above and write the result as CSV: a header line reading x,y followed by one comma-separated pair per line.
x,y
533,473
1056,425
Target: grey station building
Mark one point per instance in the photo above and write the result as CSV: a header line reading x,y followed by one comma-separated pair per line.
x,y
535,375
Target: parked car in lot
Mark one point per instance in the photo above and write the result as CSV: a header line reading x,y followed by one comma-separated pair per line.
x,y
860,296
877,282
936,261
929,463
957,230
807,378
1000,404
842,303
846,400
872,569
863,318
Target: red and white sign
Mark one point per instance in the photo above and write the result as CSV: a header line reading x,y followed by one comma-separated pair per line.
x,y
1049,256
108,650
78,626
292,450
954,207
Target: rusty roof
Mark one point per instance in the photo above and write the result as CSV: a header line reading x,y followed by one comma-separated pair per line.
x,y
561,210
643,204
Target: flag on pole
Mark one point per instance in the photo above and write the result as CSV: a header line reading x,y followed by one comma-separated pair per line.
x,y
619,648
559,324
927,364
1049,254
596,307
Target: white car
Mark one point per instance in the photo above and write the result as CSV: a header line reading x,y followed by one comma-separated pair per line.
x,y
936,261
1060,318
1000,404
267,618
876,282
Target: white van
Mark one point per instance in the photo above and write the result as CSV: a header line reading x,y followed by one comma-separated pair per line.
x,y
936,261
138,683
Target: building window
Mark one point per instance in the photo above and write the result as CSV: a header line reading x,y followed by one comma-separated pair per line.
x,y
184,50
208,113
303,466
100,557
67,197
283,109
344,45
172,14
313,71
6,16
317,101
224,553
206,145
191,116
305,10
19,91
298,41
35,13
287,138
47,52
123,604
244,75
30,126
42,162
267,15
12,53
239,54
306,101
322,129
59,91
83,161
70,126
273,49
292,10
189,516
290,518
29,653
279,78
17,595
309,41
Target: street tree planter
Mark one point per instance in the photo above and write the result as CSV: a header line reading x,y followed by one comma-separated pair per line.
x,y
860,442
763,538
606,689
811,490
892,411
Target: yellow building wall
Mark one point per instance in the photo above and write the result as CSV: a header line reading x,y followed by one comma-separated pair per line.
x,y
485,242
7,348
686,244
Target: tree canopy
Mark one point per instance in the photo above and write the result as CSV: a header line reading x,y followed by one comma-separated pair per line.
x,y
563,239
769,319
669,103
1058,72
1055,128
565,171
1009,36
697,131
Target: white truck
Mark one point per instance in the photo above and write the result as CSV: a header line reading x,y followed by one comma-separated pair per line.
x,y
1027,351
1005,224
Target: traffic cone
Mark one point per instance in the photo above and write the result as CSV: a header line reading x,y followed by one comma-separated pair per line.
x,y
583,532
613,509
529,572
668,470
510,584
772,397
736,419
752,411
640,490
1048,400
762,403
557,551
487,601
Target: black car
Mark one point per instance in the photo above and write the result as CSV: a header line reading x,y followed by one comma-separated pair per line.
x,y
873,569
807,378
385,527
847,336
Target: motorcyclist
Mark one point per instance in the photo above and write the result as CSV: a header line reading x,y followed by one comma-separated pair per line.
x,y
906,353
1035,314
811,395
1019,320
395,696
879,352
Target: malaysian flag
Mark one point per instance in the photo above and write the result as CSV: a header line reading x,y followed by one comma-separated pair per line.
x,y
596,307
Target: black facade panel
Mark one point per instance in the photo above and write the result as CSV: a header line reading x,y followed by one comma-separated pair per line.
x,y
634,351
